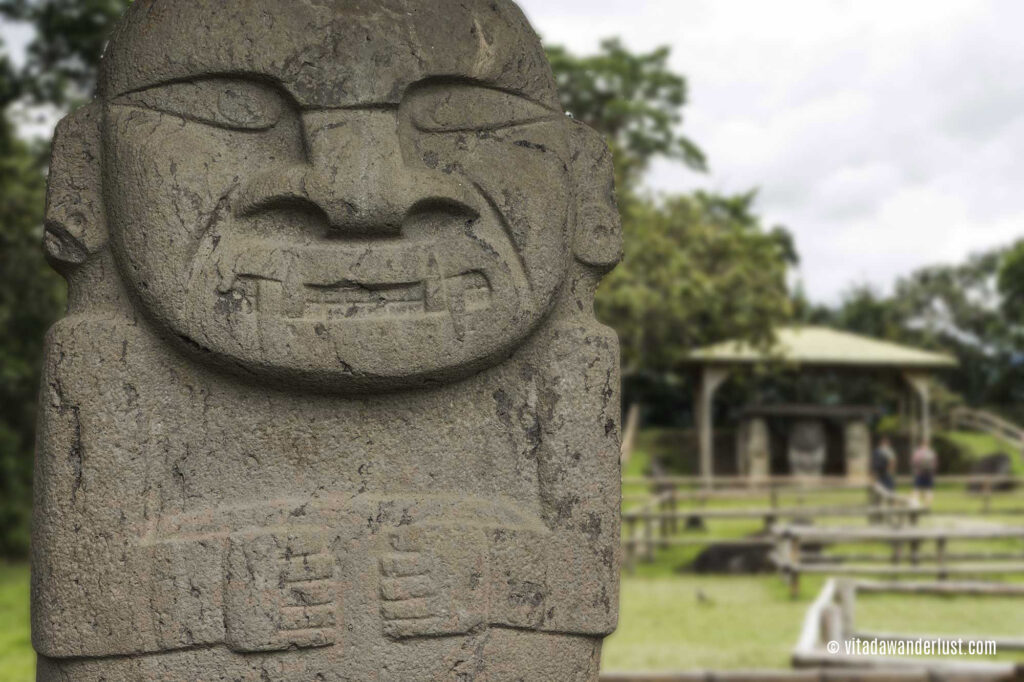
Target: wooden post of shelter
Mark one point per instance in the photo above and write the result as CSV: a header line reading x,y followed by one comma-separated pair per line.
x,y
711,378
921,385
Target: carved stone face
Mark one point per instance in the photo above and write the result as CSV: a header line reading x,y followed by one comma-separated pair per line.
x,y
327,198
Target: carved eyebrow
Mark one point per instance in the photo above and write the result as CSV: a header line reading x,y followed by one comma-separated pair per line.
x,y
234,103
469,81
240,76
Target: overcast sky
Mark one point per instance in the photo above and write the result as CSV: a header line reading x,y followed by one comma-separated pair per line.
x,y
886,134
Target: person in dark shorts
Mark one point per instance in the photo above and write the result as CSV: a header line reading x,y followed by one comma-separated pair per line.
x,y
923,463
884,464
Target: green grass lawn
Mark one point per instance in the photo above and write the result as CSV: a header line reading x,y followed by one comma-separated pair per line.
x,y
687,622
941,615
17,660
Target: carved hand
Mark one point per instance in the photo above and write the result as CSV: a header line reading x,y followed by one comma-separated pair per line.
x,y
430,585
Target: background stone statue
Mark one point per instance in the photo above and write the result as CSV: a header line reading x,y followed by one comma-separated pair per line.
x,y
857,449
755,449
329,402
807,447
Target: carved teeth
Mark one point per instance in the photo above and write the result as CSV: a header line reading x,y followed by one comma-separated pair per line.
x,y
271,298
474,290
294,293
434,295
354,300
455,295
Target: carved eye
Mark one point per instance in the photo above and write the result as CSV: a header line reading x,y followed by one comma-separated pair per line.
x,y
454,108
223,102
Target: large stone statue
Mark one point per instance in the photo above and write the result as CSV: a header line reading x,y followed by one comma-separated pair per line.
x,y
329,402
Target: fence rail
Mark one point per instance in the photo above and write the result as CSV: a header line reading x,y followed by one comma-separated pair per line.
x,y
804,483
830,619
670,508
659,522
979,420
791,559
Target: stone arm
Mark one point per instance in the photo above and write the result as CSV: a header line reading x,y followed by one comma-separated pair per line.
x,y
566,580
556,573
96,590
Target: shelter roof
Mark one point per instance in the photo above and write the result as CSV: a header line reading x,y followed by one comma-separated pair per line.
x,y
823,347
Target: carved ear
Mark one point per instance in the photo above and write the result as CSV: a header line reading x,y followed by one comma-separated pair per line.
x,y
75,220
598,240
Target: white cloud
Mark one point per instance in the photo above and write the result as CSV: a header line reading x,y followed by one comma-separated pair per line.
x,y
887,135
15,37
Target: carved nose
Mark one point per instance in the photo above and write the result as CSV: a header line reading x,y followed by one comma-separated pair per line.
x,y
356,176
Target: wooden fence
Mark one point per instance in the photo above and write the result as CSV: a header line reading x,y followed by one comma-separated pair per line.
x,y
661,524
792,560
673,505
805,483
663,518
979,420
985,487
830,621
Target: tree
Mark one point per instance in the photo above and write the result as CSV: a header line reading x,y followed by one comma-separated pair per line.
x,y
965,309
63,56
634,100
60,69
697,269
1011,283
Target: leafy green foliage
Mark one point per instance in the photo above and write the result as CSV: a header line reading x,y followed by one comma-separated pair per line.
x,y
697,269
1011,284
964,309
634,100
70,35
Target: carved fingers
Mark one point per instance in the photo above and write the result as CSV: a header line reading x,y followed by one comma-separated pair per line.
x,y
418,595
279,592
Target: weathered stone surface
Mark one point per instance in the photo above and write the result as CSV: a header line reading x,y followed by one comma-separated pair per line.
x,y
807,447
755,448
857,447
329,402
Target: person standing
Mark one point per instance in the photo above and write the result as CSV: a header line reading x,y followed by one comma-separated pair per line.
x,y
924,462
884,464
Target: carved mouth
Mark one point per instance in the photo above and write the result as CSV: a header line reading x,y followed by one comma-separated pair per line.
x,y
347,299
